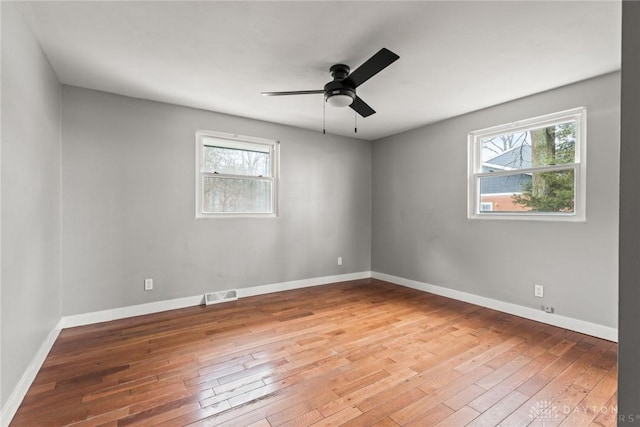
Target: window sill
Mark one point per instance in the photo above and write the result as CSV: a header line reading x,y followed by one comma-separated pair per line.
x,y
551,217
236,216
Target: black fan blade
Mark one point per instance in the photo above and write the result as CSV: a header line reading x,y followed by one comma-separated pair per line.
x,y
372,66
295,92
361,107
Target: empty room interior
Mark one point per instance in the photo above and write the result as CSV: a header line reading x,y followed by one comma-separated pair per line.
x,y
319,213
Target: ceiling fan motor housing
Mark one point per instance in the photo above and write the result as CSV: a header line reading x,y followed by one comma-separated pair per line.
x,y
338,87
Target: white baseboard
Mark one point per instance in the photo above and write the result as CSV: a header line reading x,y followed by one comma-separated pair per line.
x,y
570,323
130,311
159,306
304,283
15,399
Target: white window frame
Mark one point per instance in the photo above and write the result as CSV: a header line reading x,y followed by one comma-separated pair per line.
x,y
229,140
579,116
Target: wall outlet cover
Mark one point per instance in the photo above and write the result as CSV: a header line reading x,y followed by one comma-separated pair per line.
x,y
538,291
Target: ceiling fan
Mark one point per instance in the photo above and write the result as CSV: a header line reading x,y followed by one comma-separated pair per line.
x,y
341,91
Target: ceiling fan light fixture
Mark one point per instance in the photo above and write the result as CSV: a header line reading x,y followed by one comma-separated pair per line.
x,y
340,97
340,100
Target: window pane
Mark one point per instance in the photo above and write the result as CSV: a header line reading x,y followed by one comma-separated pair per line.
x,y
552,192
552,145
233,161
236,195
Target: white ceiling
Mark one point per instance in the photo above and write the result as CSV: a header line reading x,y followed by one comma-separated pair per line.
x,y
455,57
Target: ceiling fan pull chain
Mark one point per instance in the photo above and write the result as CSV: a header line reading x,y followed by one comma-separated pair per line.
x,y
324,115
355,121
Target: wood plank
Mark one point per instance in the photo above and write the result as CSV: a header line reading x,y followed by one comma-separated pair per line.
x,y
461,417
501,410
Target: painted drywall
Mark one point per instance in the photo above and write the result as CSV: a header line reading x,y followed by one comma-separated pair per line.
x,y
421,232
128,203
629,267
30,216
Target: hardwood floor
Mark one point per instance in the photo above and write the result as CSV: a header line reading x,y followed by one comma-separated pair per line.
x,y
361,353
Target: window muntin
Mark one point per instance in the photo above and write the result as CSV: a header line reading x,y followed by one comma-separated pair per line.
x,y
236,175
533,169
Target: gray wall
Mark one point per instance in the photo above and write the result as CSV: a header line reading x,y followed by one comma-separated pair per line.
x,y
30,198
420,229
129,206
629,338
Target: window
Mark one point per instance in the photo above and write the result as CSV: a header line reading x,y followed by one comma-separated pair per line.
x,y
236,175
532,169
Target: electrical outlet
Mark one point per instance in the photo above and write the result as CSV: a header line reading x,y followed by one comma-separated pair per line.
x,y
548,308
148,284
538,291
339,260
